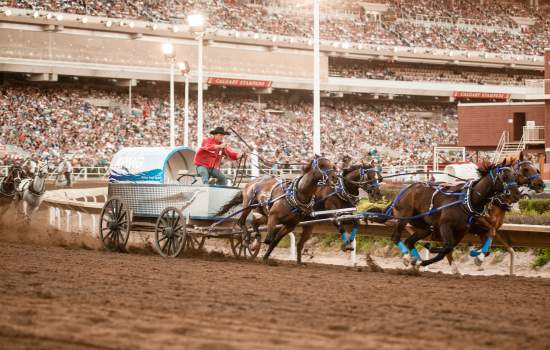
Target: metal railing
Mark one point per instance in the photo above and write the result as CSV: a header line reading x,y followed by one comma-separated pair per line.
x,y
533,134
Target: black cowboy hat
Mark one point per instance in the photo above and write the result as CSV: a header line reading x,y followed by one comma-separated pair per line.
x,y
219,130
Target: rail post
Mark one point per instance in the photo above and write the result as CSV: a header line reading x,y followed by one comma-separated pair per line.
x,y
58,218
353,254
79,215
52,216
68,221
292,246
94,227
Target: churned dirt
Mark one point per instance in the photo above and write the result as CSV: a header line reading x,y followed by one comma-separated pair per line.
x,y
66,295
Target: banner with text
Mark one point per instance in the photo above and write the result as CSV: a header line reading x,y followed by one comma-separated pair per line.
x,y
482,95
262,84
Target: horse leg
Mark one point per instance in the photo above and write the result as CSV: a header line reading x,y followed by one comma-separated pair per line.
x,y
396,238
306,233
278,236
418,234
510,251
447,235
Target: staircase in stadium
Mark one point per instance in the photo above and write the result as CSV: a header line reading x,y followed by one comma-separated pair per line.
x,y
506,148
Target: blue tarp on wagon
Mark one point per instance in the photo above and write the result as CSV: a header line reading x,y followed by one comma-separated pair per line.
x,y
159,165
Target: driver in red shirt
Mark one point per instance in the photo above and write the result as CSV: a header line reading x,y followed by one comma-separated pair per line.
x,y
210,154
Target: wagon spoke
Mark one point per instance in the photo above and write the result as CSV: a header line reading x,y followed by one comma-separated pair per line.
x,y
165,244
122,215
108,235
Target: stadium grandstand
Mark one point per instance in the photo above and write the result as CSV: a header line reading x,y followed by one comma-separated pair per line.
x,y
85,78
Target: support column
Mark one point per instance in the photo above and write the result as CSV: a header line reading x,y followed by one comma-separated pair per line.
x,y
546,170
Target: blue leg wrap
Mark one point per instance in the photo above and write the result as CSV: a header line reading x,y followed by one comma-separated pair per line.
x,y
474,253
415,254
403,248
344,235
353,233
487,245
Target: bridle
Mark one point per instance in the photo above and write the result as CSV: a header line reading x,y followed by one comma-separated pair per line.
x,y
517,170
325,172
499,176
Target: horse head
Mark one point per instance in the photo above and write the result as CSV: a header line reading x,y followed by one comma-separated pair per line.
x,y
506,183
322,169
527,173
43,170
366,177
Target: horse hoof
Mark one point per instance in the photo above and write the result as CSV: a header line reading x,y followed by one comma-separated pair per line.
x,y
271,263
479,260
406,259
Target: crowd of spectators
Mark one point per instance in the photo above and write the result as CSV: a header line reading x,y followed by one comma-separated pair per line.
x,y
446,24
383,70
90,124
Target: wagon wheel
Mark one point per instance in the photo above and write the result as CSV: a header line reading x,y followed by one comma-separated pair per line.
x,y
114,225
245,245
170,232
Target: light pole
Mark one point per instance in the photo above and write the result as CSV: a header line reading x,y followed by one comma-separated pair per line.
x,y
184,69
196,24
316,81
169,53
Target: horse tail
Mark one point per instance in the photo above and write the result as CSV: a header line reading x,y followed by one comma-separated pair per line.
x,y
379,218
236,200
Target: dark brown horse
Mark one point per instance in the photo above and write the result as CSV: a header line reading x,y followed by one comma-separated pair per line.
x,y
344,194
9,183
448,210
284,205
486,227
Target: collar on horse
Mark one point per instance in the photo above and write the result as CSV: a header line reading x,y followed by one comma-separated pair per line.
x,y
27,183
291,195
343,194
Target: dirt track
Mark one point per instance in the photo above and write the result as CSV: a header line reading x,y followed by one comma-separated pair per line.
x,y
55,297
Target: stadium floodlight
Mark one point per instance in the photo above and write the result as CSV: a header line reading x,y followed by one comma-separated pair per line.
x,y
122,23
237,34
360,46
131,24
175,29
36,14
168,50
196,22
256,36
7,12
49,15
310,42
59,17
154,26
108,23
274,38
84,20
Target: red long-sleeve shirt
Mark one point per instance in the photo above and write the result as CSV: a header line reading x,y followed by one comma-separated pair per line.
x,y
210,157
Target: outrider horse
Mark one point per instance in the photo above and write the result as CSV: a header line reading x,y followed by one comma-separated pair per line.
x,y
9,183
343,194
449,210
284,205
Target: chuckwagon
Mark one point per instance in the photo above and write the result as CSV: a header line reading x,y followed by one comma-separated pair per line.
x,y
157,190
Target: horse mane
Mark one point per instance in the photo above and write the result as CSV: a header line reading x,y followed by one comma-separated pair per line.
x,y
485,167
352,168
